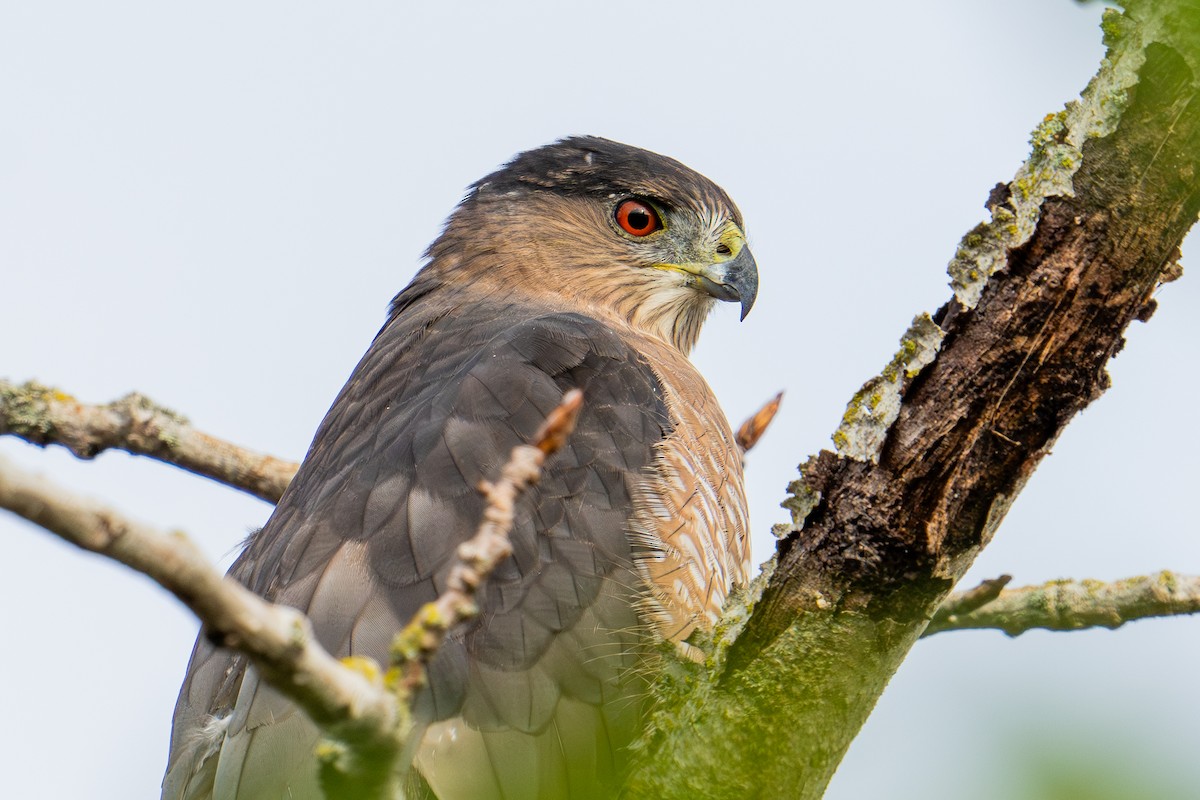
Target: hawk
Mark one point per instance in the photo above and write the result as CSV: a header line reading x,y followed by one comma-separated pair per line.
x,y
583,264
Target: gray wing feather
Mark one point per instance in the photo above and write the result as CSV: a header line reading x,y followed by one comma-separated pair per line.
x,y
366,532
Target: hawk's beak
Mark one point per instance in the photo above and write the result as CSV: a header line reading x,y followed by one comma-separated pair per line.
x,y
734,281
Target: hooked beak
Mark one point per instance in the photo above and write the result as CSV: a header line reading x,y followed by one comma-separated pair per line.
x,y
733,281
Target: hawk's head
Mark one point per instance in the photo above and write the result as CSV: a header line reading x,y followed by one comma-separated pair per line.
x,y
607,227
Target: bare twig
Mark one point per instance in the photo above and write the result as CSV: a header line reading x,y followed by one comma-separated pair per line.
x,y
756,425
414,646
1074,605
43,416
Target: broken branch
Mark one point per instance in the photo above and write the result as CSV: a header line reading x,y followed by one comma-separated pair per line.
x,y
756,425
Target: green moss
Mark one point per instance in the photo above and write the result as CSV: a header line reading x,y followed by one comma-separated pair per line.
x,y
801,699
677,683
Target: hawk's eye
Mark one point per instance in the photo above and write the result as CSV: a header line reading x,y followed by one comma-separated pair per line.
x,y
637,218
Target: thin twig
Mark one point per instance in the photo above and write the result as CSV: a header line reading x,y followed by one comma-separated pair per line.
x,y
43,416
758,422
1075,605
417,643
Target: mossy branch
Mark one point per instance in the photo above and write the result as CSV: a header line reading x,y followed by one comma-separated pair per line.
x,y
932,452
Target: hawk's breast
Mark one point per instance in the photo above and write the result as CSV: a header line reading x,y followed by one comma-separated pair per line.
x,y
690,521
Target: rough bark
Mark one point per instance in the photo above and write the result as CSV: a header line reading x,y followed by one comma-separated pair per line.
x,y
932,452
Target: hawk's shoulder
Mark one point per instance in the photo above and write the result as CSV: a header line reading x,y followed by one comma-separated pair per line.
x,y
368,528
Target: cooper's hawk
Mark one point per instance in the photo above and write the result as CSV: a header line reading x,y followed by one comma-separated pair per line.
x,y
584,264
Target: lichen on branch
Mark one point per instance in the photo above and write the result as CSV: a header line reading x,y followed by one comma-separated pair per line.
x,y
43,415
871,412
924,473
1072,605
1057,154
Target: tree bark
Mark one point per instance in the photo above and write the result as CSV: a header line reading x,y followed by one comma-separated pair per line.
x,y
932,452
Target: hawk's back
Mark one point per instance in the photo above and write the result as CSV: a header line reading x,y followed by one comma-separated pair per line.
x,y
584,264
366,533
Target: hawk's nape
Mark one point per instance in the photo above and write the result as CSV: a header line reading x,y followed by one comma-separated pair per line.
x,y
584,264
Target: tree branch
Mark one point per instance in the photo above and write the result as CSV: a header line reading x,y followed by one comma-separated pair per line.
x,y
352,705
366,724
43,416
1071,605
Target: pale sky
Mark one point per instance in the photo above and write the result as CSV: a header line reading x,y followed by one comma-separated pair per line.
x,y
213,205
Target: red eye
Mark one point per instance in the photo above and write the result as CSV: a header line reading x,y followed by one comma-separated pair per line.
x,y
637,218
